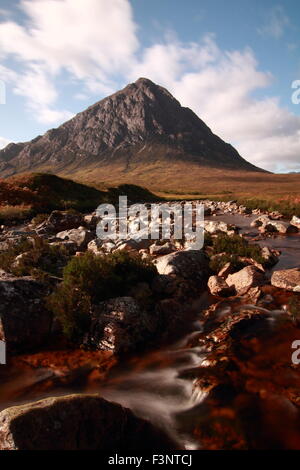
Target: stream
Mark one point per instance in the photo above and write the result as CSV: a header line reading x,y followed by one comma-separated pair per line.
x,y
150,383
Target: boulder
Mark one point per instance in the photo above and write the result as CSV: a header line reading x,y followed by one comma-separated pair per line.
x,y
248,277
288,279
25,323
277,227
81,236
259,221
270,256
219,287
78,422
120,325
188,264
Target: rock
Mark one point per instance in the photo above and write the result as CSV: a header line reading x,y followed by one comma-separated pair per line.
x,y
81,236
78,422
277,226
288,279
295,221
120,325
164,285
59,221
25,323
250,276
91,221
218,286
259,221
269,256
159,250
189,264
226,270
129,245
69,246
213,227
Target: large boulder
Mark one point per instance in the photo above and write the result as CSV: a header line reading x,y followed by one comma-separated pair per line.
x,y
277,226
188,264
81,236
288,279
78,422
248,277
120,325
25,322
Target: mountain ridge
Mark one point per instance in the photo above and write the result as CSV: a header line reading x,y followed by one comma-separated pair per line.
x,y
141,123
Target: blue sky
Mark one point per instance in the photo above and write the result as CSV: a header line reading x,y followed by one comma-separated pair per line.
x,y
232,62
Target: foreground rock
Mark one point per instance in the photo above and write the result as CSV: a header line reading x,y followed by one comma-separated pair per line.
x,y
120,325
80,236
25,323
77,422
248,277
288,279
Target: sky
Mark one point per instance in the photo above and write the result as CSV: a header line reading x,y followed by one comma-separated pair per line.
x,y
236,63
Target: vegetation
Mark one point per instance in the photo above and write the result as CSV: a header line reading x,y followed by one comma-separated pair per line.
x,y
90,279
38,259
232,248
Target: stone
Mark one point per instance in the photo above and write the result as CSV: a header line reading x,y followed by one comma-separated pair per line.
x,y
288,279
213,227
248,277
78,422
189,264
120,325
81,236
59,221
25,322
295,221
159,250
219,287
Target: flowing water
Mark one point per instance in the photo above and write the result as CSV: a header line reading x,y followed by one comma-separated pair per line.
x,y
150,384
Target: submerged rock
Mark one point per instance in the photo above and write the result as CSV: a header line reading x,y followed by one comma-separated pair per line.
x,y
78,422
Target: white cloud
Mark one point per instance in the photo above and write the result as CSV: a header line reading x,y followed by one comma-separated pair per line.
x,y
95,42
3,142
276,23
220,88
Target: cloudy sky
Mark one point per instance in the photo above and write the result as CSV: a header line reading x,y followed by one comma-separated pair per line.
x,y
232,62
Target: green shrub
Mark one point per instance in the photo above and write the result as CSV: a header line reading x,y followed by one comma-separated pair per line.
x,y
90,279
236,245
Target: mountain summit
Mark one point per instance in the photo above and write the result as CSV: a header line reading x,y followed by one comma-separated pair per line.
x,y
141,124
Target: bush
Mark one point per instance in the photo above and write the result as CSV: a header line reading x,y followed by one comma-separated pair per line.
x,y
38,258
90,279
236,245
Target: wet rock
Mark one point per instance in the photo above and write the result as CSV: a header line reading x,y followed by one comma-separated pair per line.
x,y
120,325
270,256
218,286
81,236
77,422
25,323
260,221
250,276
288,279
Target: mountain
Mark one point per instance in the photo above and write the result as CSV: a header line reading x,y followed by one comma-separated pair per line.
x,y
141,126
